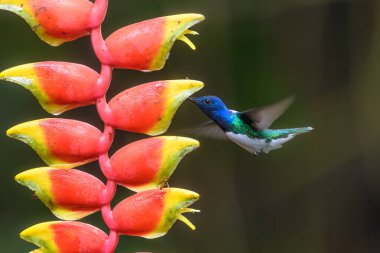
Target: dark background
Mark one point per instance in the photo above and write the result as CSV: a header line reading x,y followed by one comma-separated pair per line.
x,y
319,193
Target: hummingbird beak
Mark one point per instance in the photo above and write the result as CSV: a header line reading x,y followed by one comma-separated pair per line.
x,y
192,99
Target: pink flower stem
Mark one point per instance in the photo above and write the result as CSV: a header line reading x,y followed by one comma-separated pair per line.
x,y
100,48
99,45
99,11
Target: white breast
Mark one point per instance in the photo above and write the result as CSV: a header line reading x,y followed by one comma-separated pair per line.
x,y
255,145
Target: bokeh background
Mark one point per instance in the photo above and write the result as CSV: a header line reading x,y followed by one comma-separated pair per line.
x,y
319,193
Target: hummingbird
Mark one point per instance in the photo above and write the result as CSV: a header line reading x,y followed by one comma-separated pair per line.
x,y
248,129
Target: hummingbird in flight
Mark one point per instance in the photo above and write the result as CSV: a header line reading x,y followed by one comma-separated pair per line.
x,y
248,129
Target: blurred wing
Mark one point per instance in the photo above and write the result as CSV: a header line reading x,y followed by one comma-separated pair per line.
x,y
263,117
209,129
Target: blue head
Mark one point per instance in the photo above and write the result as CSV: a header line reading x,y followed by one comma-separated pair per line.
x,y
215,109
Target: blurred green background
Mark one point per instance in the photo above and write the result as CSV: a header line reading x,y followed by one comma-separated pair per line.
x,y
319,193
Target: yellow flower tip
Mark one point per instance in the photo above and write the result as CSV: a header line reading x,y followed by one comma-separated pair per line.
x,y
21,177
181,197
39,234
184,88
185,19
23,130
26,234
22,75
177,202
13,132
183,144
177,27
31,232
190,19
30,178
176,91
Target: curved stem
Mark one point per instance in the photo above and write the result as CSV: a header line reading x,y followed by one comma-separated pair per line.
x,y
100,48
108,216
112,242
104,111
105,141
98,14
104,80
99,10
105,166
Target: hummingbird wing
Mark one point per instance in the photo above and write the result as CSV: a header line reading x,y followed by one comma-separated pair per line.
x,y
263,117
209,129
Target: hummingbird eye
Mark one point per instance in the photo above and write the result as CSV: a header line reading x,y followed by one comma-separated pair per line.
x,y
207,101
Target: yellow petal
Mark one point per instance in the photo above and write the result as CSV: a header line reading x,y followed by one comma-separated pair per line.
x,y
186,221
190,210
187,41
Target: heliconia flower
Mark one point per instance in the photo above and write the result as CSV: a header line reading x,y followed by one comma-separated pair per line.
x,y
58,86
148,163
145,45
149,108
54,21
62,143
69,194
65,237
152,213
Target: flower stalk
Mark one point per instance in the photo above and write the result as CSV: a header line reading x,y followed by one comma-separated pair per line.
x,y
143,166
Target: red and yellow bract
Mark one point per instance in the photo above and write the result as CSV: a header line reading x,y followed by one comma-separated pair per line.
x,y
146,45
54,21
65,237
58,86
69,194
149,108
148,163
62,143
152,213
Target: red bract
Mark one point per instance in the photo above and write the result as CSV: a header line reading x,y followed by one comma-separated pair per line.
x,y
148,163
62,143
149,108
146,45
58,86
54,21
69,194
66,237
151,214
